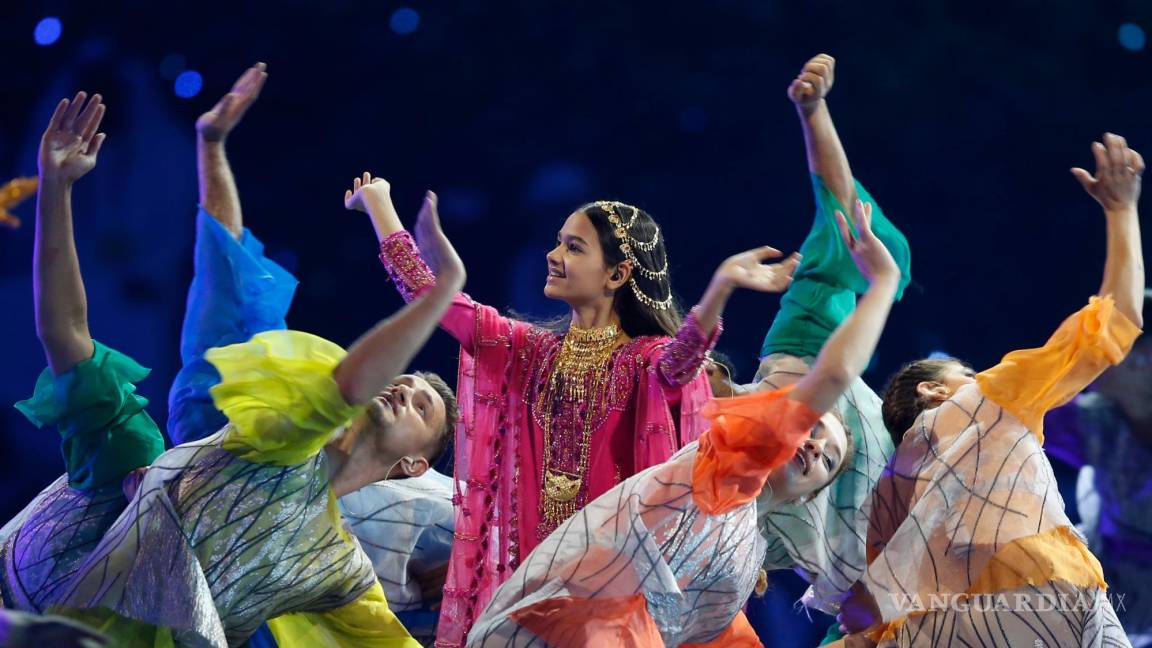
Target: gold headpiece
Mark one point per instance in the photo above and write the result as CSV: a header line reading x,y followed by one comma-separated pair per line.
x,y
623,232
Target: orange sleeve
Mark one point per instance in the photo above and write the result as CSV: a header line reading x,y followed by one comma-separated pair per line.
x,y
574,622
1029,382
749,437
1058,554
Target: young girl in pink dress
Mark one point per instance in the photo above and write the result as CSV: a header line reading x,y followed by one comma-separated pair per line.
x,y
550,419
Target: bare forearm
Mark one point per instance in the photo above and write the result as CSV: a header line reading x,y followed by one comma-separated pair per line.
x,y
383,353
847,352
826,157
1124,266
218,193
712,304
385,219
58,288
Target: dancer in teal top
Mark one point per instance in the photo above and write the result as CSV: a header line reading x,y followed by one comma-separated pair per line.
x,y
822,537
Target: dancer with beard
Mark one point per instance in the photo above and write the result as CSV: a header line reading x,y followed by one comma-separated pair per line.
x,y
242,526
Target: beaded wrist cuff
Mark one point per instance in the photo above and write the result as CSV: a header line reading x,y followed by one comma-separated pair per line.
x,y
401,258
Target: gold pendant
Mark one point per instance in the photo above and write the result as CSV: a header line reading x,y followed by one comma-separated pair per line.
x,y
559,487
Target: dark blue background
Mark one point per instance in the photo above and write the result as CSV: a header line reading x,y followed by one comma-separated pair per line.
x,y
962,118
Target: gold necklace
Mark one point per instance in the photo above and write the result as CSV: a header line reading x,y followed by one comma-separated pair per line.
x,y
580,375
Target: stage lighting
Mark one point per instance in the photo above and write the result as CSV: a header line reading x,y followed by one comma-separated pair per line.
x,y
48,31
188,84
404,21
1131,37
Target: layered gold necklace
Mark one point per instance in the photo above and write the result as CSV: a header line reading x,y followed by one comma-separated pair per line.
x,y
580,377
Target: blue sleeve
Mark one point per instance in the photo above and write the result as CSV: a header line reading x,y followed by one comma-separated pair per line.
x,y
236,293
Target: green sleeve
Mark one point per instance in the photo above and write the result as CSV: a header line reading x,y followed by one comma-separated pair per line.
x,y
825,286
104,431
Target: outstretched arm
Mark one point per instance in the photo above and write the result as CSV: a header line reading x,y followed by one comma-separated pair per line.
x,y
383,353
218,194
745,270
1116,186
680,360
847,351
236,292
827,281
68,150
412,263
1030,382
826,156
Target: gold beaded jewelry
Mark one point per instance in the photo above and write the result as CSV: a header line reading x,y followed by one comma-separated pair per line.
x,y
580,375
622,231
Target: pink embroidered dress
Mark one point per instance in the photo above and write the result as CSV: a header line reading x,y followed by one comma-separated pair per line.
x,y
651,409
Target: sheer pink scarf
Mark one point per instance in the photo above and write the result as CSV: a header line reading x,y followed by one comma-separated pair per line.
x,y
489,389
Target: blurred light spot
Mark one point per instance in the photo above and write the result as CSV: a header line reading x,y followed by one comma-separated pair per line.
x,y
188,84
171,66
1131,37
404,21
48,31
939,355
693,119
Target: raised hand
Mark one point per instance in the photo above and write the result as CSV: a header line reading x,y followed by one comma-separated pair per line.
x,y
868,252
70,145
814,81
749,270
434,245
1116,185
215,124
366,191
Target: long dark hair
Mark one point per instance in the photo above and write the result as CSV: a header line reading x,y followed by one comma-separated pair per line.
x,y
636,317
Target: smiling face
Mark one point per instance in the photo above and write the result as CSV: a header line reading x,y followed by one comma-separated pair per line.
x,y
815,463
577,273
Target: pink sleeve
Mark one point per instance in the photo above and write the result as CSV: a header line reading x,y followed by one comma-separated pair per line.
x,y
401,258
679,360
